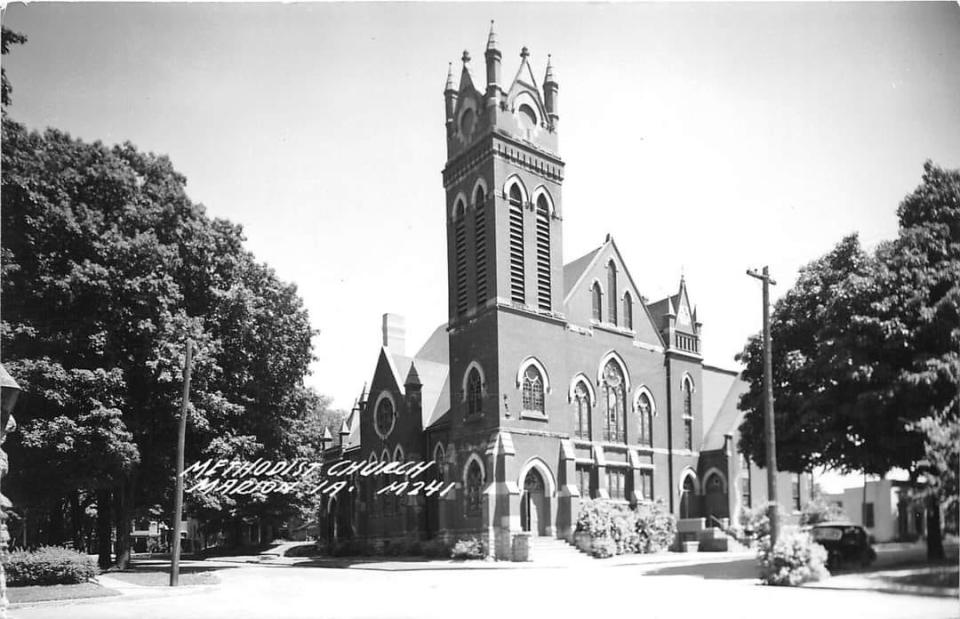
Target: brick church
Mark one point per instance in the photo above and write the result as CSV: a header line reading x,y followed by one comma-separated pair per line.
x,y
550,382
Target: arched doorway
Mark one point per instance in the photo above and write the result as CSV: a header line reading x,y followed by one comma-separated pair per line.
x,y
533,512
715,497
688,498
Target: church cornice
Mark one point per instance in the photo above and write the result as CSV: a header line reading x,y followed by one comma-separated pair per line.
x,y
504,146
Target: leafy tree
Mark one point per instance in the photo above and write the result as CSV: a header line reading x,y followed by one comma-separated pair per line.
x,y
7,38
107,268
866,353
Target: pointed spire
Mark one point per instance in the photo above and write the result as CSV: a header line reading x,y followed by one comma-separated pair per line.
x,y
549,78
413,377
344,428
449,87
492,39
326,437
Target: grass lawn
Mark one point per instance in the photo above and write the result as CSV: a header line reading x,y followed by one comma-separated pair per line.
x,y
162,579
42,593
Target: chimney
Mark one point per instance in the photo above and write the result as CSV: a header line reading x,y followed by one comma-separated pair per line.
x,y
394,333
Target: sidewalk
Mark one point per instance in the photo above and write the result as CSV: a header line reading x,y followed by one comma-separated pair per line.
x,y
128,591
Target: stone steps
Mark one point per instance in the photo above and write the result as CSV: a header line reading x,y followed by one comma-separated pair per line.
x,y
550,550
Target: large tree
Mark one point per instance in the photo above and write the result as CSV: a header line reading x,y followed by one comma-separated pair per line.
x,y
866,351
108,268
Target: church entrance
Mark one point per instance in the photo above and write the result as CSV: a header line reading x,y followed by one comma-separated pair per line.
x,y
533,504
688,499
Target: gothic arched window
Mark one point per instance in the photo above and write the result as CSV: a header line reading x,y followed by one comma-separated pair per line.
x,y
597,298
645,412
688,414
480,233
460,247
474,393
612,291
517,286
628,311
474,487
581,400
614,402
543,253
532,389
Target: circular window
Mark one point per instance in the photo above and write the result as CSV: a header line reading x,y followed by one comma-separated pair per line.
x,y
386,416
528,118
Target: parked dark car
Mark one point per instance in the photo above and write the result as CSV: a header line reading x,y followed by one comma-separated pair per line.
x,y
846,544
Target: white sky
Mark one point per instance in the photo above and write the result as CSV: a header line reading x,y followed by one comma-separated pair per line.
x,y
705,137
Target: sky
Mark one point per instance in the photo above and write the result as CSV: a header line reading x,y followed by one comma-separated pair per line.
x,y
707,138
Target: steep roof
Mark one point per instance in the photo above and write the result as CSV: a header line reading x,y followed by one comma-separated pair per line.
x,y
727,418
434,380
573,271
437,346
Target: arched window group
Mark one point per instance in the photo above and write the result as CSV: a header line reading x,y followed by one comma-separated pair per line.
x,y
645,415
474,392
687,387
532,389
460,248
596,297
581,400
517,283
474,488
612,291
480,230
614,400
543,253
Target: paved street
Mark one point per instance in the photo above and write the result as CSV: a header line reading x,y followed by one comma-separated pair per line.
x,y
723,589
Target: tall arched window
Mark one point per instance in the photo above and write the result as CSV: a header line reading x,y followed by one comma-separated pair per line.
x,y
597,298
628,311
474,393
460,247
474,490
581,400
615,402
688,413
480,232
438,460
543,253
645,413
532,389
517,285
612,291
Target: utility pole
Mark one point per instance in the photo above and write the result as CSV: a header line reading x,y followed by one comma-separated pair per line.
x,y
181,440
769,431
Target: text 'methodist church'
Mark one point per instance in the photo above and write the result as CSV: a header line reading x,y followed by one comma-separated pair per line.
x,y
551,382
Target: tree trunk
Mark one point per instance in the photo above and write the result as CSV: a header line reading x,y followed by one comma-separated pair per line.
x,y
76,522
103,528
124,520
55,531
934,535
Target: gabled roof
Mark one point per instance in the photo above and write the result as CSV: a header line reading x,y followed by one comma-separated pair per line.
x,y
573,271
434,380
728,418
437,346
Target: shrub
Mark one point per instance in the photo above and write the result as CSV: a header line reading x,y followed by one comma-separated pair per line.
x,y
655,527
819,510
49,565
595,518
603,548
794,560
468,549
434,549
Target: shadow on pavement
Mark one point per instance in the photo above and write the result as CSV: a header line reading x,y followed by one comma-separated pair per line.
x,y
742,569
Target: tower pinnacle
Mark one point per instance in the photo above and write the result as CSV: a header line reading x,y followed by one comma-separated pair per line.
x,y
492,39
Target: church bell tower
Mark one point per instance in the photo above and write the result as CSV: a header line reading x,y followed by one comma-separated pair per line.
x,y
502,181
